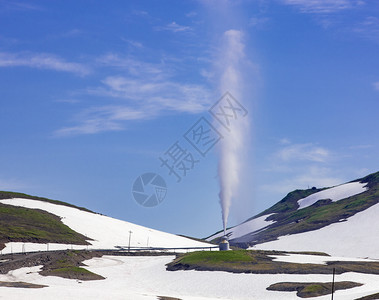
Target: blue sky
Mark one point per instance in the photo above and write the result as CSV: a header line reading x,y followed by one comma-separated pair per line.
x,y
94,93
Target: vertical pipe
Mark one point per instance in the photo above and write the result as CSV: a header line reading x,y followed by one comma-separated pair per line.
x,y
130,234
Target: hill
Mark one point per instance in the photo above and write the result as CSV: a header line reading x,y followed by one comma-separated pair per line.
x,y
30,223
12,195
322,215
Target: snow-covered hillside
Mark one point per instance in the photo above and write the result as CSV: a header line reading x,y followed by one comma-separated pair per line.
x,y
253,225
346,224
105,232
336,193
356,237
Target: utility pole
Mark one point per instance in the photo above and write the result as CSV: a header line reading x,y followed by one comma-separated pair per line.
x,y
334,272
130,234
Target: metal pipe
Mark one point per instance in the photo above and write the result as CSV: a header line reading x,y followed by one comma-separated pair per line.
x,y
130,234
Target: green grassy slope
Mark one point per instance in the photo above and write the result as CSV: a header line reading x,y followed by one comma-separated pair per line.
x,y
68,264
261,262
18,224
311,289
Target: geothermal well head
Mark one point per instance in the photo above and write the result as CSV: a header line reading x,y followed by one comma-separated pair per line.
x,y
224,245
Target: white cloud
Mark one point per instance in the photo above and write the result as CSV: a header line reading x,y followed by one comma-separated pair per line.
x,y
133,66
73,33
145,91
323,6
376,85
18,5
301,164
140,13
42,61
309,177
284,141
174,27
156,94
258,22
101,119
134,44
303,152
68,100
191,14
151,85
368,28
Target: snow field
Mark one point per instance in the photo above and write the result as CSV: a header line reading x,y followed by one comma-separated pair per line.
x,y
335,193
145,278
106,232
356,237
314,259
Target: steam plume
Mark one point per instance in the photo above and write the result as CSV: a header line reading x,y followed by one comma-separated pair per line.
x,y
230,66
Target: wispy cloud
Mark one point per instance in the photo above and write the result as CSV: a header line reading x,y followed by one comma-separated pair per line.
x,y
134,44
174,27
323,6
191,14
368,28
305,165
142,13
134,67
73,33
5,41
306,178
142,100
376,85
152,84
145,91
303,152
366,146
11,184
284,141
42,61
258,22
161,94
68,100
18,5
102,119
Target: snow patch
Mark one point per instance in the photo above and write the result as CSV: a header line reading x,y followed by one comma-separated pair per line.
x,y
145,278
335,193
356,237
245,228
105,232
314,259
